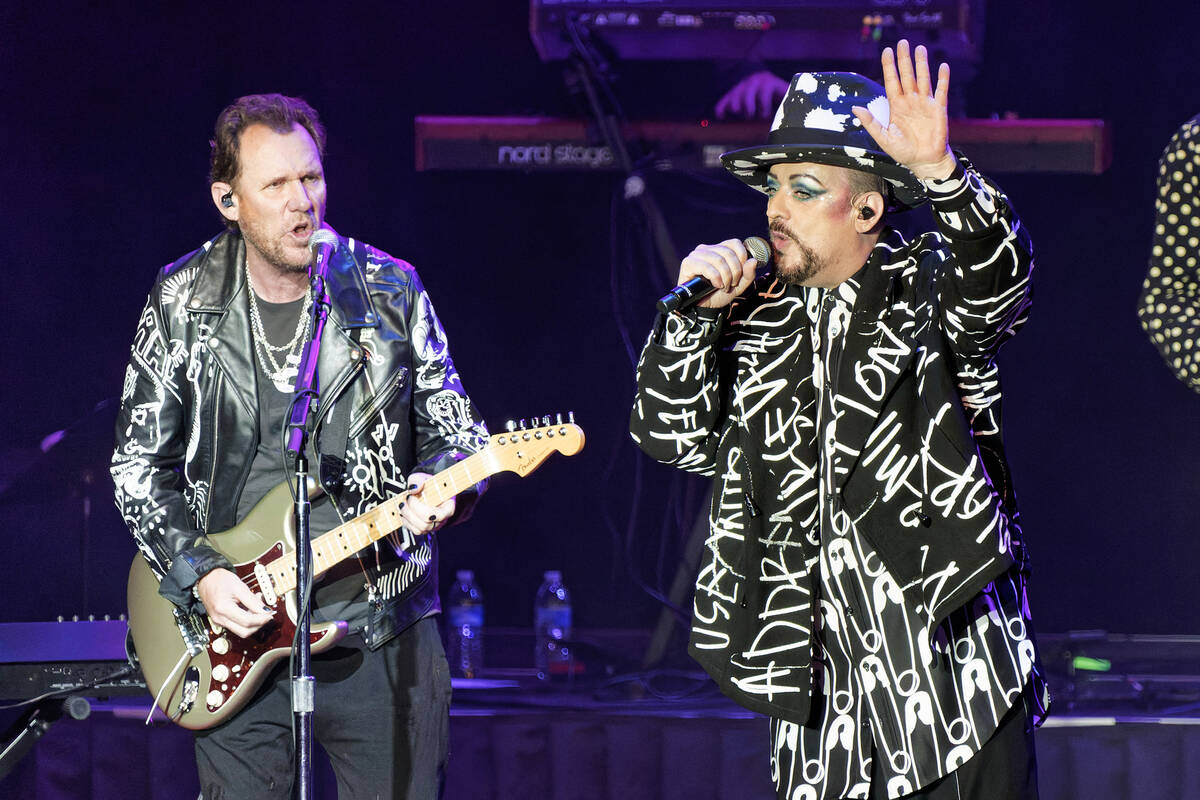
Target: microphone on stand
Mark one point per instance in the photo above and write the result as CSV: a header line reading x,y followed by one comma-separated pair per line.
x,y
695,289
322,243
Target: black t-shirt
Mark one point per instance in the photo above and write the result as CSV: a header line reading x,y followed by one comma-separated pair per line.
x,y
340,593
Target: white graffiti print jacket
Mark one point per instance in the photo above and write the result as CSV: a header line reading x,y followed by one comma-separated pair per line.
x,y
187,428
919,464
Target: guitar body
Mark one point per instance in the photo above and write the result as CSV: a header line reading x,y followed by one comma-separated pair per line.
x,y
201,677
204,688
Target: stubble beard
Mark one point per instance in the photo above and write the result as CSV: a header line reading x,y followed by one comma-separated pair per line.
x,y
272,252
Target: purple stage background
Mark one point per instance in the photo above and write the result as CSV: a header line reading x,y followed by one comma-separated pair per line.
x,y
106,114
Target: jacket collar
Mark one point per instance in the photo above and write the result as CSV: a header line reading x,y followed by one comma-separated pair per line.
x,y
220,278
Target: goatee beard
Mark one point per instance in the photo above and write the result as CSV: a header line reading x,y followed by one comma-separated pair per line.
x,y
806,264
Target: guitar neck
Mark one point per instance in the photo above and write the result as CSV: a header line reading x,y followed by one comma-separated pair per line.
x,y
345,540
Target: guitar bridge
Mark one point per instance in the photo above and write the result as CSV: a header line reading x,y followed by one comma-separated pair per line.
x,y
193,631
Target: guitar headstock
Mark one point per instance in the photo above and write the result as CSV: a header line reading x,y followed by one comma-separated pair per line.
x,y
523,449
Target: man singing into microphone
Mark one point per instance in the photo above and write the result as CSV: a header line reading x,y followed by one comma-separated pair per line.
x,y
863,580
200,440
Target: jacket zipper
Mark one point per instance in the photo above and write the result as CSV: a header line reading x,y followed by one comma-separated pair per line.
x,y
212,474
378,401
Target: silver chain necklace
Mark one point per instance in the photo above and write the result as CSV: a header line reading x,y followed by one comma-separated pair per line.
x,y
282,375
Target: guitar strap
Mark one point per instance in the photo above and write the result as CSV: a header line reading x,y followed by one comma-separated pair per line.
x,y
333,442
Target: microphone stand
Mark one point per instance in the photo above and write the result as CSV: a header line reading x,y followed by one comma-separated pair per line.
x,y
305,400
589,74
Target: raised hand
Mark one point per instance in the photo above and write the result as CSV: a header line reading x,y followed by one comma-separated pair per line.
x,y
917,132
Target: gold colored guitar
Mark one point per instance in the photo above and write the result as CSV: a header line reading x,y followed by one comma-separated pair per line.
x,y
201,676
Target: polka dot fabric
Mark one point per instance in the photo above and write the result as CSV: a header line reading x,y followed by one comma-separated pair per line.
x,y
1170,298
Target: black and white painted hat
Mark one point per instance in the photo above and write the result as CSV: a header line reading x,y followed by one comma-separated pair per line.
x,y
814,123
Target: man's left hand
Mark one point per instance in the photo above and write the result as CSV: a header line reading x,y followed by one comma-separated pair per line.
x,y
420,517
917,133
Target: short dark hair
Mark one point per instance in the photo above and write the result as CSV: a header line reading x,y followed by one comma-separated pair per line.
x,y
278,112
863,182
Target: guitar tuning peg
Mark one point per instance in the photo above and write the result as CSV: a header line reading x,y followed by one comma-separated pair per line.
x,y
522,424
571,417
510,426
558,419
546,420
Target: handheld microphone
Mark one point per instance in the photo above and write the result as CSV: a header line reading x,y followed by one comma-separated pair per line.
x,y
695,289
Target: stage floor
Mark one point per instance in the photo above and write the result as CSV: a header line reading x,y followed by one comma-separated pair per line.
x,y
553,744
1125,723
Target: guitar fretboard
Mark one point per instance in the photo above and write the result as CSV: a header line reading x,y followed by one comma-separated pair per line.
x,y
345,540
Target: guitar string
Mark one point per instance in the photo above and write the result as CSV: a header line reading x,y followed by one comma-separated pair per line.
x,y
393,536
252,582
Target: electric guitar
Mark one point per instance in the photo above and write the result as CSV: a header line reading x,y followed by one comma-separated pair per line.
x,y
201,674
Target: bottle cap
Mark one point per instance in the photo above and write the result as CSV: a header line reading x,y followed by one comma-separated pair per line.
x,y
465,575
552,575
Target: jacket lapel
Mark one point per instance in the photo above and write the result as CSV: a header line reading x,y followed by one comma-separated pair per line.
x,y
218,294
352,309
347,287
878,351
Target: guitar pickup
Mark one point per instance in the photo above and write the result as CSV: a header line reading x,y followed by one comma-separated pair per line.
x,y
264,584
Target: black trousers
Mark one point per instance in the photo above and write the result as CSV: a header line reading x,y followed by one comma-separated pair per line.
x,y
1005,768
382,717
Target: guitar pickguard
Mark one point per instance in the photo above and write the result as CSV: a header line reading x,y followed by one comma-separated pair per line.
x,y
233,659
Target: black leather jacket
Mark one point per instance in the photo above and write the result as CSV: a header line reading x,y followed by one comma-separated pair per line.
x,y
188,428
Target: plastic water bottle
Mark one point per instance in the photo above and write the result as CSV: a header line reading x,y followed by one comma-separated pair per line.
x,y
552,627
464,626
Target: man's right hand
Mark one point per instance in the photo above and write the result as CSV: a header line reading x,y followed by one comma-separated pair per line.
x,y
231,604
727,266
